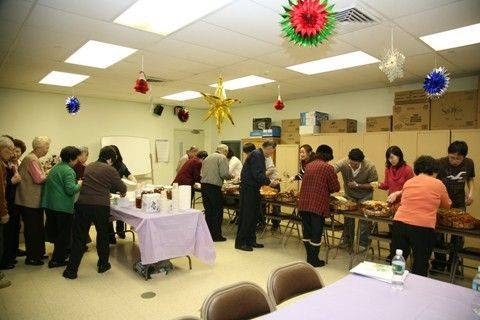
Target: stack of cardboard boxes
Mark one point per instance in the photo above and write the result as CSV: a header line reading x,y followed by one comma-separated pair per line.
x,y
290,131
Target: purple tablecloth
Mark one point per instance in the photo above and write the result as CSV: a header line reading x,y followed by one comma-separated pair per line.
x,y
357,297
166,236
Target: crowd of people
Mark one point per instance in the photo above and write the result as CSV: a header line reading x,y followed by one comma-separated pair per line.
x,y
73,196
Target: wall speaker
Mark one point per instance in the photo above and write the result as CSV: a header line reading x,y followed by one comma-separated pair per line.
x,y
158,109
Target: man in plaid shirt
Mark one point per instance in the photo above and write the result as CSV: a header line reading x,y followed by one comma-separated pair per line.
x,y
319,181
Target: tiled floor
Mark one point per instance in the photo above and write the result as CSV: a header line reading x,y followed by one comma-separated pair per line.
x,y
40,293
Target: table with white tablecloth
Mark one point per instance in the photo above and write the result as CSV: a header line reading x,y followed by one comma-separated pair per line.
x,y
358,297
168,235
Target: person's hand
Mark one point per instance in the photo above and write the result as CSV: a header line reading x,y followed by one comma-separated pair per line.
x,y
374,184
123,194
393,197
17,178
469,200
352,184
197,186
274,183
4,219
80,182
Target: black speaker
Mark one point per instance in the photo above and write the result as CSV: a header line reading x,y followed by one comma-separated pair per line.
x,y
158,109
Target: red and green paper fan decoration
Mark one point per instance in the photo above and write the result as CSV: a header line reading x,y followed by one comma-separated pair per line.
x,y
308,22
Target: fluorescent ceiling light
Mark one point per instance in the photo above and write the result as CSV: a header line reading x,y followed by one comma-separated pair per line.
x,y
453,38
63,79
343,61
99,54
182,96
164,17
244,82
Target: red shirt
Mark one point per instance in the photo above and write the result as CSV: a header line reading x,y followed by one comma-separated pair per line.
x,y
319,181
189,173
395,178
79,169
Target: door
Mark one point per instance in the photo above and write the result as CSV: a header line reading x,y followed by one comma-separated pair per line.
x,y
375,144
183,140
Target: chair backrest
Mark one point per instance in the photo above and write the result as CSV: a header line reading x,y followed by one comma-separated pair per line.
x,y
292,280
240,301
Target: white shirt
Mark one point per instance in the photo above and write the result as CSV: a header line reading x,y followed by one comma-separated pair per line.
x,y
235,167
270,166
182,161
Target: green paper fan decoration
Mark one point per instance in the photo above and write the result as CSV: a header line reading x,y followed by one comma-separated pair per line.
x,y
308,22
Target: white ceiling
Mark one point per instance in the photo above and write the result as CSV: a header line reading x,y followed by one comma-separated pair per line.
x,y
240,39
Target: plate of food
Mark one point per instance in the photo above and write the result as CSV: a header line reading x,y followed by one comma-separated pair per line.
x,y
457,218
268,192
376,208
288,196
340,203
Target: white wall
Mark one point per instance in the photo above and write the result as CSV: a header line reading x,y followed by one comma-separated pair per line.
x,y
354,105
25,114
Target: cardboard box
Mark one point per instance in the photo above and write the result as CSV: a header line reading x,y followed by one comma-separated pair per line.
x,y
455,110
303,130
312,118
290,125
377,124
410,97
274,131
262,123
290,138
409,117
338,126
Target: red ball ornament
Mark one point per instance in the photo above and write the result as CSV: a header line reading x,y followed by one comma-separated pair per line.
x,y
279,105
183,115
141,85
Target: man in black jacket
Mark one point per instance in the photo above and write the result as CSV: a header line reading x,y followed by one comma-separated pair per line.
x,y
253,177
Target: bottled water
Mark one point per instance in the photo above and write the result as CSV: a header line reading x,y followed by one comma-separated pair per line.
x,y
476,293
398,267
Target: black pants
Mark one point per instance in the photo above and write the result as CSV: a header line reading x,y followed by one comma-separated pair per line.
x,y
312,226
213,203
250,202
419,239
34,232
84,216
59,229
11,232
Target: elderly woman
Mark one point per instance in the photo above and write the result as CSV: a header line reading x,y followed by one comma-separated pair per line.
x,y
11,230
415,220
28,198
93,205
6,152
57,199
79,168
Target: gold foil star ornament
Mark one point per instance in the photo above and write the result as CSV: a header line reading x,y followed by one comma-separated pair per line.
x,y
219,105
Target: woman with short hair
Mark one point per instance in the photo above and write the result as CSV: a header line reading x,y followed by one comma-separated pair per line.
x,y
93,205
415,220
57,199
28,199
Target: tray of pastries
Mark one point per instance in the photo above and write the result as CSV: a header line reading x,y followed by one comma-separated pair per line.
x,y
376,208
340,203
231,189
268,192
288,196
457,218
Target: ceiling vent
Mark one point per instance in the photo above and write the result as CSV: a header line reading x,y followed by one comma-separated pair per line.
x,y
353,15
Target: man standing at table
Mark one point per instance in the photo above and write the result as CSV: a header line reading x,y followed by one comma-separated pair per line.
x,y
455,171
252,178
214,171
359,177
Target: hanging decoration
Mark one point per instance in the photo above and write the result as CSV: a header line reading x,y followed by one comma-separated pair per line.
x,y
392,62
436,82
182,113
219,105
72,105
307,22
141,85
279,105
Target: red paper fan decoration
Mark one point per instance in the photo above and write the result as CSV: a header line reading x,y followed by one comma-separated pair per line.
x,y
141,85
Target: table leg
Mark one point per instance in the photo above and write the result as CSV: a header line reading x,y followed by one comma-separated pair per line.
x,y
356,243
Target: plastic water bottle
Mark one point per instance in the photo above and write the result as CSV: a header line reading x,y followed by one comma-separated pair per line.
x,y
398,268
476,293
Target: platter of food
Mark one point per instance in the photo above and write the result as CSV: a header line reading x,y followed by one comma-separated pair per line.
x,y
376,208
288,196
456,218
340,203
268,192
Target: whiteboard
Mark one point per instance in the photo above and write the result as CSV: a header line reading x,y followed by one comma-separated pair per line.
x,y
135,152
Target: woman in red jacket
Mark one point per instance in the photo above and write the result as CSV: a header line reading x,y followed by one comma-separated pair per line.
x,y
397,171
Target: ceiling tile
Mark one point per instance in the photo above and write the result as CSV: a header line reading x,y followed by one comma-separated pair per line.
x,y
263,23
9,31
106,10
210,36
14,10
467,58
375,40
422,64
193,52
393,8
454,15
